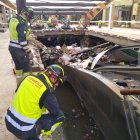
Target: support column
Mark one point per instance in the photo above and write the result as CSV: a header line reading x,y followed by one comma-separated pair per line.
x,y
111,15
4,19
20,5
9,13
134,13
104,15
13,13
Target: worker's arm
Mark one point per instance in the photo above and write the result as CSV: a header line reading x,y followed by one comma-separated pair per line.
x,y
49,101
22,31
52,105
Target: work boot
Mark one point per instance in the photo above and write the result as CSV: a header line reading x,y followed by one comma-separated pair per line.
x,y
19,76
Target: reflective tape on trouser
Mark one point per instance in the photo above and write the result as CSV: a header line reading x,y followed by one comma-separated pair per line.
x,y
23,43
18,77
15,45
16,125
18,80
18,121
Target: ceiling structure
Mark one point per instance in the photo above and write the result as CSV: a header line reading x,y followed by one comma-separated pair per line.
x,y
9,4
63,7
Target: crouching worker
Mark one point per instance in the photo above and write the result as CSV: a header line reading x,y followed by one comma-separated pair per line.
x,y
25,117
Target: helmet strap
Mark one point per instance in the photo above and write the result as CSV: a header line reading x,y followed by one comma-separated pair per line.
x,y
24,16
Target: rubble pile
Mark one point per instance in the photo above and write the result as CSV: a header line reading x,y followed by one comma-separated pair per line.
x,y
78,57
84,57
38,25
35,59
73,55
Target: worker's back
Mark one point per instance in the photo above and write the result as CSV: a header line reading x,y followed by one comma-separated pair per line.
x,y
28,104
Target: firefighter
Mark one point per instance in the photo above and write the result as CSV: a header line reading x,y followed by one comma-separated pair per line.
x,y
18,47
25,117
99,24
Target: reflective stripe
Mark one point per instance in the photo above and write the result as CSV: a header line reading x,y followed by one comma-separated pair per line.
x,y
15,45
19,76
16,125
16,41
25,47
20,117
23,43
53,128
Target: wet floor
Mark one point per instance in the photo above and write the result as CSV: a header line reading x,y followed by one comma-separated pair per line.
x,y
78,125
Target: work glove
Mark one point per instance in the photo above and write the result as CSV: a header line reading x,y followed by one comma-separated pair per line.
x,y
49,132
57,122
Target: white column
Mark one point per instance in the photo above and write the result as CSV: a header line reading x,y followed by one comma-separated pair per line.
x,y
4,14
104,14
10,13
111,15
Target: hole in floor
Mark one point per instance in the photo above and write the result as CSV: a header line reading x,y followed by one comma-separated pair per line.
x,y
78,125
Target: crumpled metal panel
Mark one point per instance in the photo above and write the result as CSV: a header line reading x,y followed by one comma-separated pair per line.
x,y
103,101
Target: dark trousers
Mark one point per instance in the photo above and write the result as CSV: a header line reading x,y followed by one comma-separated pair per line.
x,y
20,59
45,122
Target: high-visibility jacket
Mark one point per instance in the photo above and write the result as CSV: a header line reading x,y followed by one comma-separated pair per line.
x,y
19,32
26,109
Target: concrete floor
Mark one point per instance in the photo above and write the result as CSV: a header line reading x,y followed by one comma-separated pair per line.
x,y
129,33
7,84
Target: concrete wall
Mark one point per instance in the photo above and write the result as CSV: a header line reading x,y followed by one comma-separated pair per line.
x,y
103,101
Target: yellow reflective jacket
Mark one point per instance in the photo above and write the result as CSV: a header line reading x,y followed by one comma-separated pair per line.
x,y
26,100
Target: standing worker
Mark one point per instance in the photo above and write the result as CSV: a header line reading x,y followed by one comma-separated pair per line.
x,y
25,117
18,47
99,24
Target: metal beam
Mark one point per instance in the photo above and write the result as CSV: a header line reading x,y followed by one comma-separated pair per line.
x,y
5,5
10,4
59,9
20,5
81,0
59,12
62,3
